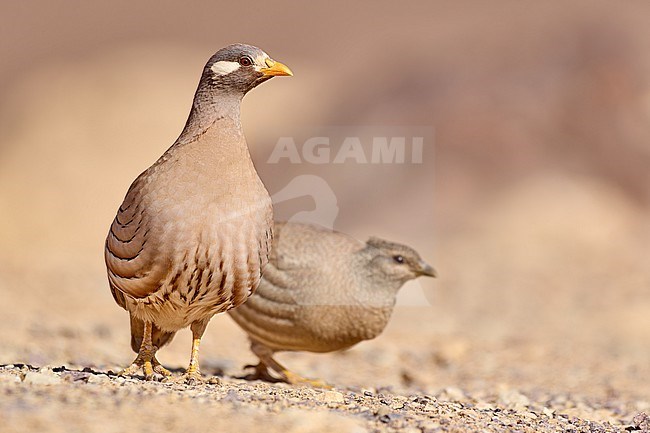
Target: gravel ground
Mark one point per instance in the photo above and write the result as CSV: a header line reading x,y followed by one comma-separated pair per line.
x,y
73,399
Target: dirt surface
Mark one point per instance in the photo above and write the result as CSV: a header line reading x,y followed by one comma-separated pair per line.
x,y
70,400
532,202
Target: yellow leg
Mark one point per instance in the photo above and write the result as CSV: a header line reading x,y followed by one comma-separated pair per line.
x,y
193,369
146,361
192,375
265,355
296,379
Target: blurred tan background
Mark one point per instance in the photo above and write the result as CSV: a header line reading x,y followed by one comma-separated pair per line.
x,y
532,200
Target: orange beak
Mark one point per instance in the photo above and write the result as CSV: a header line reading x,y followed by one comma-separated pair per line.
x,y
276,69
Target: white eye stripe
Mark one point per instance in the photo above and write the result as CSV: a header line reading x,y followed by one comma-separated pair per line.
x,y
224,67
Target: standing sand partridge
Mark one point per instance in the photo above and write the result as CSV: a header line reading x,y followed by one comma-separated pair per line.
x,y
323,291
193,234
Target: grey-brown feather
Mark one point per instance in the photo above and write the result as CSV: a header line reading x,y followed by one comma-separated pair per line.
x,y
191,237
322,291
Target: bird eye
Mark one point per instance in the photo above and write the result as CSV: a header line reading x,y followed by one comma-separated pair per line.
x,y
398,259
245,61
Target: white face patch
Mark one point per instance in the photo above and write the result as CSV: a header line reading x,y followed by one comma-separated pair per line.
x,y
261,60
223,67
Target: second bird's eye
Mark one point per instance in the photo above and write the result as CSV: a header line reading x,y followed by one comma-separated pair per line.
x,y
398,259
245,61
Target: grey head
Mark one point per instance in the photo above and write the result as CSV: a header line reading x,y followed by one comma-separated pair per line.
x,y
395,262
239,68
229,74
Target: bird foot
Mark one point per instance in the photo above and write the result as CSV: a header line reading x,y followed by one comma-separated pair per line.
x,y
191,377
295,379
148,366
159,369
260,372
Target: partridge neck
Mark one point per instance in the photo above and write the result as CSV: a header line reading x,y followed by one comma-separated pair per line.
x,y
210,106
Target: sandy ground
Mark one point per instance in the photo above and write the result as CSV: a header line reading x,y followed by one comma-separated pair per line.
x,y
532,202
501,345
67,400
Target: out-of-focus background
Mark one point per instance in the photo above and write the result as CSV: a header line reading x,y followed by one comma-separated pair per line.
x,y
532,200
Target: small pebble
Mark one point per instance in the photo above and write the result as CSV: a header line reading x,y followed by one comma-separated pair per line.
x,y
42,378
382,411
548,412
98,379
332,397
10,378
454,394
484,406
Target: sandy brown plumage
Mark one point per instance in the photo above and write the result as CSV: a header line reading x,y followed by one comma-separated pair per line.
x,y
323,291
194,231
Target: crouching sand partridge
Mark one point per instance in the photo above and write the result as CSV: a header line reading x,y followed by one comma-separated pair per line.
x,y
193,234
323,291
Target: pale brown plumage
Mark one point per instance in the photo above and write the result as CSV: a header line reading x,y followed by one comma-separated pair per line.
x,y
323,291
193,234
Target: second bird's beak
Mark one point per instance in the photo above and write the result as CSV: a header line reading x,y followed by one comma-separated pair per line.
x,y
427,270
276,69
